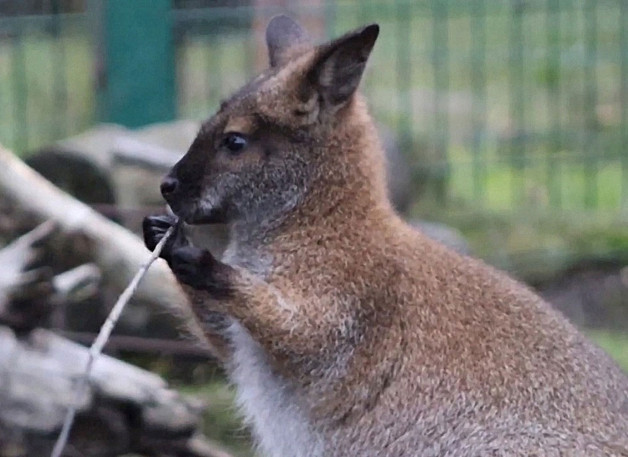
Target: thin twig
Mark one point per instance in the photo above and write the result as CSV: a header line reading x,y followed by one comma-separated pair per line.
x,y
101,340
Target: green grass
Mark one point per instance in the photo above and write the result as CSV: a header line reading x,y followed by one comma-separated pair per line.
x,y
541,183
614,343
221,420
46,89
534,244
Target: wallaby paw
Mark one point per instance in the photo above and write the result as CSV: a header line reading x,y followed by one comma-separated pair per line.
x,y
187,265
155,228
199,269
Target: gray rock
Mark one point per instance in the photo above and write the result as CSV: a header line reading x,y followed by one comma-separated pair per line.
x,y
398,174
449,236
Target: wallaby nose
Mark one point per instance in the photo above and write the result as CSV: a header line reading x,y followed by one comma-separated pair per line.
x,y
169,186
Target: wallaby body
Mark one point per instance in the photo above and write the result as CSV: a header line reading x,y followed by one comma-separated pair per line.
x,y
346,332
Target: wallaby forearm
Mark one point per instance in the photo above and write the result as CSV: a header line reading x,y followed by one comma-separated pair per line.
x,y
220,292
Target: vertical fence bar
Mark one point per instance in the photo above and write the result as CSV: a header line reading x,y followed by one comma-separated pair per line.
x,y
249,51
96,26
59,75
478,82
247,66
214,71
517,108
4,99
180,70
140,85
180,57
590,105
623,99
365,16
553,66
330,17
209,88
440,62
404,71
19,88
364,13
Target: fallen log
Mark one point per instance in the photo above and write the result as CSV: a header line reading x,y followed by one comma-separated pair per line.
x,y
15,258
143,345
75,284
117,252
134,152
25,289
124,410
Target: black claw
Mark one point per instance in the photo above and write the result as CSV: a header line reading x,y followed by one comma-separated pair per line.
x,y
189,255
154,229
191,265
164,220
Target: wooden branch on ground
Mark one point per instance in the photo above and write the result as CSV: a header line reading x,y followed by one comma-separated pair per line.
x,y
24,291
117,252
76,284
126,410
144,345
15,258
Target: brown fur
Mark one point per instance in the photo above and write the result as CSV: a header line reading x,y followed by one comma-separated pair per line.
x,y
387,343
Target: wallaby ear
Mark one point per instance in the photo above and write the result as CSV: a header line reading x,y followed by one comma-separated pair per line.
x,y
283,36
337,71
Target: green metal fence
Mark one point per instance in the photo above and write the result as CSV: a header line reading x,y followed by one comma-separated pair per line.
x,y
499,104
45,77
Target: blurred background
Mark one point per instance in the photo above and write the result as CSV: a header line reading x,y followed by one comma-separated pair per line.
x,y
505,124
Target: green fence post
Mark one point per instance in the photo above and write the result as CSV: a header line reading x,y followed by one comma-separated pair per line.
x,y
590,143
554,107
19,89
404,72
60,128
623,57
440,64
517,159
330,17
138,84
478,83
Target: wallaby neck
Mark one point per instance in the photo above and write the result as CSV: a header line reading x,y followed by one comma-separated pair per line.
x,y
254,244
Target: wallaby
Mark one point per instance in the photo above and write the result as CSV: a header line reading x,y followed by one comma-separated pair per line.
x,y
345,331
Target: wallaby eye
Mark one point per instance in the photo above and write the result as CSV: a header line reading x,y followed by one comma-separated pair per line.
x,y
234,142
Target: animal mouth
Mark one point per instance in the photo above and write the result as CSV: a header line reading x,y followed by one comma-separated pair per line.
x,y
185,213
195,215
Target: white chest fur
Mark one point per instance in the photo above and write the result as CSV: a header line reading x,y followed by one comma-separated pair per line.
x,y
268,402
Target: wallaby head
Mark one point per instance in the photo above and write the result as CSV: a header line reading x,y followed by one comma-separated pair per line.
x,y
283,136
